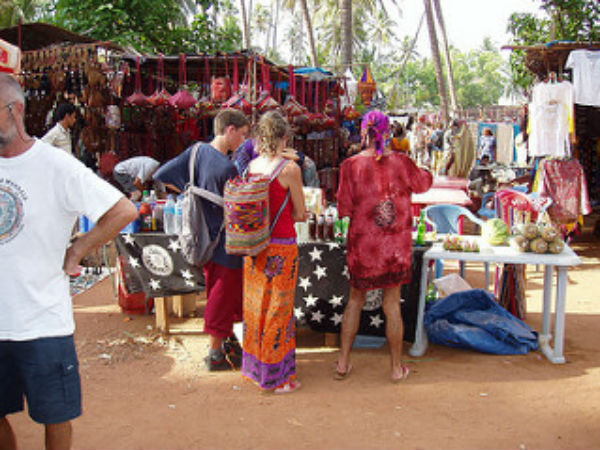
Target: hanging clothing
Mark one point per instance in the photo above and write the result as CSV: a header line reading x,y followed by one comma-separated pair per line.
x,y
564,182
464,154
376,195
505,143
586,76
551,119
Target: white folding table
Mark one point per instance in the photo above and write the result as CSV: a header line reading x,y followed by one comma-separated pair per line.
x,y
506,254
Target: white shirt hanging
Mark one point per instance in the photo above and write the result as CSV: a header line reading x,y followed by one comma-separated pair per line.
x,y
586,76
551,119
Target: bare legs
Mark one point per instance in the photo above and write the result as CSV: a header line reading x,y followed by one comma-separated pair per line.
x,y
7,436
394,328
58,436
350,324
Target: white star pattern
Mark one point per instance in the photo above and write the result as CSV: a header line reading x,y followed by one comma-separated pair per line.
x,y
320,272
304,283
298,313
335,300
187,274
345,272
128,238
333,245
311,300
154,284
134,262
174,245
315,254
336,319
376,321
317,316
190,283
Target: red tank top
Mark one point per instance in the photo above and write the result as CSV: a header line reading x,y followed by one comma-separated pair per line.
x,y
285,225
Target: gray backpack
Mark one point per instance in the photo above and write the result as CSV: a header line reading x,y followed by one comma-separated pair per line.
x,y
196,245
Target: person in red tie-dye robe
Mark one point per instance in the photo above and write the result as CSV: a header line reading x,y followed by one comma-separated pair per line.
x,y
375,192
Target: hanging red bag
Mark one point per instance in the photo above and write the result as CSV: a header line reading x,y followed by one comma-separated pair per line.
x,y
182,99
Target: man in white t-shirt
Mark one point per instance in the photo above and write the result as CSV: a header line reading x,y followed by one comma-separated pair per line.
x,y
60,134
134,173
42,192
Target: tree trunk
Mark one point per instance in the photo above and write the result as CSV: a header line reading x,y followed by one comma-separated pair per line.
x,y
346,26
309,30
246,24
275,22
450,73
435,54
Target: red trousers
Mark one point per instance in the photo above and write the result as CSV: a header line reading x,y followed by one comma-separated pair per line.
x,y
224,293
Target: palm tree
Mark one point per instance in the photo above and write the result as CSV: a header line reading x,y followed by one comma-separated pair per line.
x,y
346,25
450,73
245,23
437,61
291,4
11,11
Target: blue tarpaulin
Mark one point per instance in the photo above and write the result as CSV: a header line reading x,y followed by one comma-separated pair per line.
x,y
474,320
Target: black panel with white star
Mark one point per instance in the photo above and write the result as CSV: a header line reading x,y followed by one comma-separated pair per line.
x,y
153,263
323,288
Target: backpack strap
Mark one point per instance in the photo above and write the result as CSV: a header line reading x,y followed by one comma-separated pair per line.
x,y
208,195
274,175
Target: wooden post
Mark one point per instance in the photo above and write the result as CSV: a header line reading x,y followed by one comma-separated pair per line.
x,y
161,314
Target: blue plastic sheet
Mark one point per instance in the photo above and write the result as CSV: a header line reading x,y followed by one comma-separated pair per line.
x,y
474,320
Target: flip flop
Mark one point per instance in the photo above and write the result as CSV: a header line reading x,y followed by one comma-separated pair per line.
x,y
405,372
288,388
339,376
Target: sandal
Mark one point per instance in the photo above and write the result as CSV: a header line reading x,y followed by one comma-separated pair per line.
x,y
405,372
288,388
339,376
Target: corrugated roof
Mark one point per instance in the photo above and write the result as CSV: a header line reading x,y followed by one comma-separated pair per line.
x,y
40,35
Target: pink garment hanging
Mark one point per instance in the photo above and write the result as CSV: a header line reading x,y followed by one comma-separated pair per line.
x,y
564,182
182,99
137,98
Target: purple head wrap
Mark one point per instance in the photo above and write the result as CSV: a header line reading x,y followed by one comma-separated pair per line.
x,y
375,125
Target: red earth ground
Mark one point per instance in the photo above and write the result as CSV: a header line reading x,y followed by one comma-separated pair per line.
x,y
145,391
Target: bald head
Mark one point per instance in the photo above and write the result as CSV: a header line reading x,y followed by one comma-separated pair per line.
x,y
10,89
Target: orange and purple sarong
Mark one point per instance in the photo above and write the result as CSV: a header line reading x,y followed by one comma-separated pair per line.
x,y
269,325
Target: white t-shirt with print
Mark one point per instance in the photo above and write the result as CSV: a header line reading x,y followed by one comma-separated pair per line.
x,y
586,76
138,167
42,192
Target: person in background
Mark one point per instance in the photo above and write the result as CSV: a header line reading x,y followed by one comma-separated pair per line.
x,y
374,191
44,190
247,152
487,145
223,273
135,174
436,149
400,142
60,134
270,277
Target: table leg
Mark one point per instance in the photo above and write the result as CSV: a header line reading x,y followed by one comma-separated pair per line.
x,y
161,314
548,272
419,347
555,355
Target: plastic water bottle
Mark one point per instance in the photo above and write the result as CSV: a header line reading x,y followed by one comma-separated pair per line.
x,y
421,229
169,216
178,216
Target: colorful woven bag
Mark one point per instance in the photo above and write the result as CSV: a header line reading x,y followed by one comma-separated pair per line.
x,y
247,217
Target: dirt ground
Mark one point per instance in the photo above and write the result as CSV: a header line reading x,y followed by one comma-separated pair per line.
x,y
145,391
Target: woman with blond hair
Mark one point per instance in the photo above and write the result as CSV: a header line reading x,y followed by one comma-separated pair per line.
x,y
270,277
